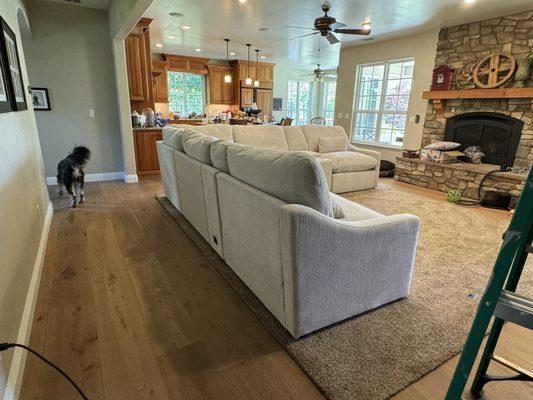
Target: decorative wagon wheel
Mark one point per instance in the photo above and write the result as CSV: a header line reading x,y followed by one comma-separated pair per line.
x,y
494,70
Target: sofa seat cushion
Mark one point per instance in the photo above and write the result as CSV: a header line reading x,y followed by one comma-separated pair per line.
x,y
353,211
350,161
294,178
271,137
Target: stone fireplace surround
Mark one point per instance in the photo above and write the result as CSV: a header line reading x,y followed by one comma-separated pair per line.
x,y
457,45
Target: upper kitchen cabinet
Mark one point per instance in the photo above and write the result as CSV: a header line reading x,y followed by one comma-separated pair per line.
x,y
139,66
220,92
195,65
159,74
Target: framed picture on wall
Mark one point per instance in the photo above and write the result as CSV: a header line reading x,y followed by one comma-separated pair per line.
x,y
40,99
11,61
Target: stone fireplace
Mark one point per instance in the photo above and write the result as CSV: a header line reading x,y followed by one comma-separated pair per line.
x,y
505,123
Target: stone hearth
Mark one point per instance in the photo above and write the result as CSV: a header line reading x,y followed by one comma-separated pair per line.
x,y
462,176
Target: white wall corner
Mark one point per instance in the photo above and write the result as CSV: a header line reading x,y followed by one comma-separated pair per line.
x,y
16,372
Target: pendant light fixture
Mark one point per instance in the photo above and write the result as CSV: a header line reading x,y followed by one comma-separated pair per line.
x,y
248,78
227,77
256,82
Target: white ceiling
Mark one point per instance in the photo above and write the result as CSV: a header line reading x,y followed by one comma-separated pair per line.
x,y
99,4
213,20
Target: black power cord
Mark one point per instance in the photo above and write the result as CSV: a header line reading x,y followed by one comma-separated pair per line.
x,y
466,202
5,346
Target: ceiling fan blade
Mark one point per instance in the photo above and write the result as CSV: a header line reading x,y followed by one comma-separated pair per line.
x,y
302,36
337,25
307,74
302,27
359,31
332,39
330,75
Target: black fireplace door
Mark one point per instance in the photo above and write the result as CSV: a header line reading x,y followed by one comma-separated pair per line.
x,y
498,135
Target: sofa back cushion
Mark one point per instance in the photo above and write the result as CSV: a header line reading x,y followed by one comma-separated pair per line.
x,y
172,136
219,154
271,137
313,132
332,144
295,178
295,138
221,131
197,145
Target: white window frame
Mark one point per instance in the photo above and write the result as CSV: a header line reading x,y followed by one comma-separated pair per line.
x,y
187,112
309,106
380,112
324,99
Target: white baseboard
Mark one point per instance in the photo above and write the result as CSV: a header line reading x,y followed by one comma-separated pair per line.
x,y
131,178
16,372
104,176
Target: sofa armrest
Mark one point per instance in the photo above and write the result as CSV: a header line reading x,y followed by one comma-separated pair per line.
x,y
336,269
327,167
371,153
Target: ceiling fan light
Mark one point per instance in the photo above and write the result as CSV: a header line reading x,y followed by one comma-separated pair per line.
x,y
248,81
228,78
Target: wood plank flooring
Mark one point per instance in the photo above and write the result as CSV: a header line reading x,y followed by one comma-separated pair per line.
x,y
131,309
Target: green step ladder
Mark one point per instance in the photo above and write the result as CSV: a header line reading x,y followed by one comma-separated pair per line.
x,y
500,301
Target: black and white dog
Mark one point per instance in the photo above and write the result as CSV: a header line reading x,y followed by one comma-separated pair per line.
x,y
70,174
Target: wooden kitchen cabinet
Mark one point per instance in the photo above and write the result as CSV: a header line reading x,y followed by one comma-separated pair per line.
x,y
265,73
159,74
264,101
220,92
247,96
146,158
139,66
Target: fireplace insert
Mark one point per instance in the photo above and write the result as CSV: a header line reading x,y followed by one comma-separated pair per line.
x,y
498,135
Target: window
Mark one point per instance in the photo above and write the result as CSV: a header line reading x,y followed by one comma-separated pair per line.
x,y
382,96
328,102
185,93
299,101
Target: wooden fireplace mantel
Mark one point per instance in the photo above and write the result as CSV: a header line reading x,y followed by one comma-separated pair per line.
x,y
439,97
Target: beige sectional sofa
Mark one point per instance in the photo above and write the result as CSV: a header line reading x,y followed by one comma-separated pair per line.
x,y
312,257
347,170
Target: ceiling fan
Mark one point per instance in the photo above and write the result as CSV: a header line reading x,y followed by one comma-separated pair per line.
x,y
326,25
319,74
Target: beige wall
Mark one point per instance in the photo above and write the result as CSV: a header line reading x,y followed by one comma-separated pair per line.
x,y
420,46
23,204
71,55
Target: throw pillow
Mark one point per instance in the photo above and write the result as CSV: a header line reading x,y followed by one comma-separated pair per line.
x,y
332,144
337,210
442,146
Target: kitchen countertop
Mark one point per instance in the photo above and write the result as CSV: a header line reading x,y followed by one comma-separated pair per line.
x,y
149,128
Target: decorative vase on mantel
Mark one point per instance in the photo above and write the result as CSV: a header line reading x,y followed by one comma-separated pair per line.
x,y
522,71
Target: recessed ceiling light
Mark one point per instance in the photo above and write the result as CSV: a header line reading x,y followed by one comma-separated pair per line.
x,y
186,27
158,45
198,50
264,29
470,1
263,57
367,25
171,37
176,14
232,53
242,1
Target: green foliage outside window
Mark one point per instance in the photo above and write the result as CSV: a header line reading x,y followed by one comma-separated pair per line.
x,y
185,93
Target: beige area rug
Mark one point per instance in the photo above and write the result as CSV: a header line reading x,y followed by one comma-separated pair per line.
x,y
375,355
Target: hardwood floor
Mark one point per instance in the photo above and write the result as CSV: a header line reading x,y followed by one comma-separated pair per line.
x,y
130,308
